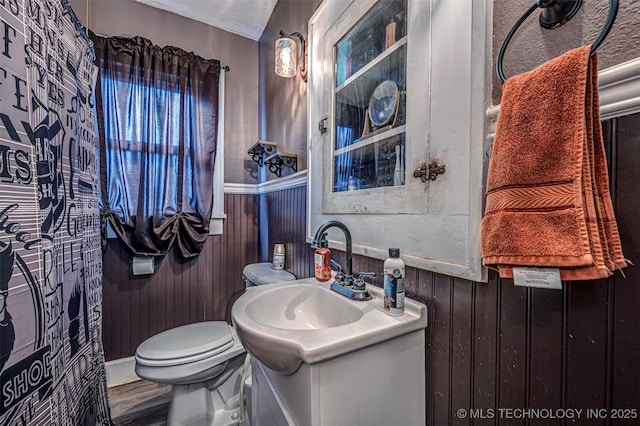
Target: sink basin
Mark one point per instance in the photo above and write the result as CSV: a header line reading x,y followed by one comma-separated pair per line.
x,y
301,307
283,325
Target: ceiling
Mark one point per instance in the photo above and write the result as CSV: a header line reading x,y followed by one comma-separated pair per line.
x,y
244,17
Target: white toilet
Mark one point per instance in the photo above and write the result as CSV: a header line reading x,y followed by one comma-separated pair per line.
x,y
204,363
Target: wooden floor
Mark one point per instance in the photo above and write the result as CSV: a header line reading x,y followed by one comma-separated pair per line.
x,y
139,403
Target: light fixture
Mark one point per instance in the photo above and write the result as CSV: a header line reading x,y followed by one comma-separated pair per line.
x,y
287,55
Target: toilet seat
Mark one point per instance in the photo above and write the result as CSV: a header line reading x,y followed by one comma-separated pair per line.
x,y
186,344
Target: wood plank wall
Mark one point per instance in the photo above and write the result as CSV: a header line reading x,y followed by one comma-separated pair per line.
x,y
489,345
492,345
180,292
286,221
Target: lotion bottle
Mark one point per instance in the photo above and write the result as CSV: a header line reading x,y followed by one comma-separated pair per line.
x,y
322,259
394,283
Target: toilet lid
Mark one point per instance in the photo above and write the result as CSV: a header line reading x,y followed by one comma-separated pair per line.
x,y
186,341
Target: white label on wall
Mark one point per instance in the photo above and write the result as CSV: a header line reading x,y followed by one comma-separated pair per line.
x,y
537,277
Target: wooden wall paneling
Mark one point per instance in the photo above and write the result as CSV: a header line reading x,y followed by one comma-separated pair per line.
x,y
200,275
110,317
489,345
233,248
545,355
586,338
424,292
414,291
513,345
241,249
276,210
299,248
461,366
441,352
306,268
411,283
181,291
496,346
294,228
624,385
119,325
287,225
215,279
485,349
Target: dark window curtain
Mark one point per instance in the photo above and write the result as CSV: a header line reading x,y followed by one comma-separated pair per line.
x,y
157,121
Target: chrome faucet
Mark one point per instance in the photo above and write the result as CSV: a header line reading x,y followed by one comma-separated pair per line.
x,y
345,283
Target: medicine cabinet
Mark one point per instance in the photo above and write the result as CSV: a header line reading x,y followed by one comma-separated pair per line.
x,y
397,86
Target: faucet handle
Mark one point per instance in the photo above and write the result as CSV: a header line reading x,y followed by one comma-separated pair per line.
x,y
359,282
335,266
366,274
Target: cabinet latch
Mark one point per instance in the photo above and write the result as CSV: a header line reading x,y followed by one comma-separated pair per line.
x,y
322,125
429,171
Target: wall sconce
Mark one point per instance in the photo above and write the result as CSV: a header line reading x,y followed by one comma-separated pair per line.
x,y
287,55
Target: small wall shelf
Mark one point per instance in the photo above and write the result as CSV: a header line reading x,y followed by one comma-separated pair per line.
x,y
261,148
266,153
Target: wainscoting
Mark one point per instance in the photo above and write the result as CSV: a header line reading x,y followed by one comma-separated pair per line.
x,y
180,292
489,345
287,222
493,345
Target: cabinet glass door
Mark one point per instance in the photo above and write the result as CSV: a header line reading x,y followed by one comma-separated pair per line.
x,y
370,101
396,86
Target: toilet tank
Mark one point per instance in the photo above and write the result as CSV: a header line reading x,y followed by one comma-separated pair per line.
x,y
263,273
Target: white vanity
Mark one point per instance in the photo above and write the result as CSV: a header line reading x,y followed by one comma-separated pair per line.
x,y
378,385
322,359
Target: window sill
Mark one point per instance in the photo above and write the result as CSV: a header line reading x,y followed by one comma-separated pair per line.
x,y
216,223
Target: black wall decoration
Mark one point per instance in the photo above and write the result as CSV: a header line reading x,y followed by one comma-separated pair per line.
x,y
51,358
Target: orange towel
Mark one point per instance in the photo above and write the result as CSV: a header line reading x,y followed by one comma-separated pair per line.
x,y
548,201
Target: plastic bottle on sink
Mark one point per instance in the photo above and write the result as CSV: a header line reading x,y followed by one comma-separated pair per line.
x,y
322,259
394,271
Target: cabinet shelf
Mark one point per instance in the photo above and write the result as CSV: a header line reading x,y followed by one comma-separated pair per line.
x,y
379,69
371,140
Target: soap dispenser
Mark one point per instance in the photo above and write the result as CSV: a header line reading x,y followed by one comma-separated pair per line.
x,y
322,260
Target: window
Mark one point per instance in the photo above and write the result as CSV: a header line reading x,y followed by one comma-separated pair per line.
x,y
158,115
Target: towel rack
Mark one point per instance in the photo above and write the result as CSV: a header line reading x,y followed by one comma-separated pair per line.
x,y
554,14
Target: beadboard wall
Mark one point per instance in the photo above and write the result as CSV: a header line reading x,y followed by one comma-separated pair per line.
x,y
489,345
180,292
495,346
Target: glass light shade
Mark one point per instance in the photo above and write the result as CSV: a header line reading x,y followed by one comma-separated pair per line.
x,y
286,57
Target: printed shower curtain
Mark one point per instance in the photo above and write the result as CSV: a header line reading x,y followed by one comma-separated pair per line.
x,y
51,358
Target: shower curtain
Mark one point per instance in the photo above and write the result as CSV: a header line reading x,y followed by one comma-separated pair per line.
x,y
51,358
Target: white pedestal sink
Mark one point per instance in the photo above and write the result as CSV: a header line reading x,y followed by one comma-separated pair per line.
x,y
322,359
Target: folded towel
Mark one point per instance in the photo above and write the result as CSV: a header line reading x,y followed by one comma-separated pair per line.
x,y
548,201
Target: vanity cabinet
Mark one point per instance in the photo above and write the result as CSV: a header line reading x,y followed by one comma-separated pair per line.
x,y
395,86
382,384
